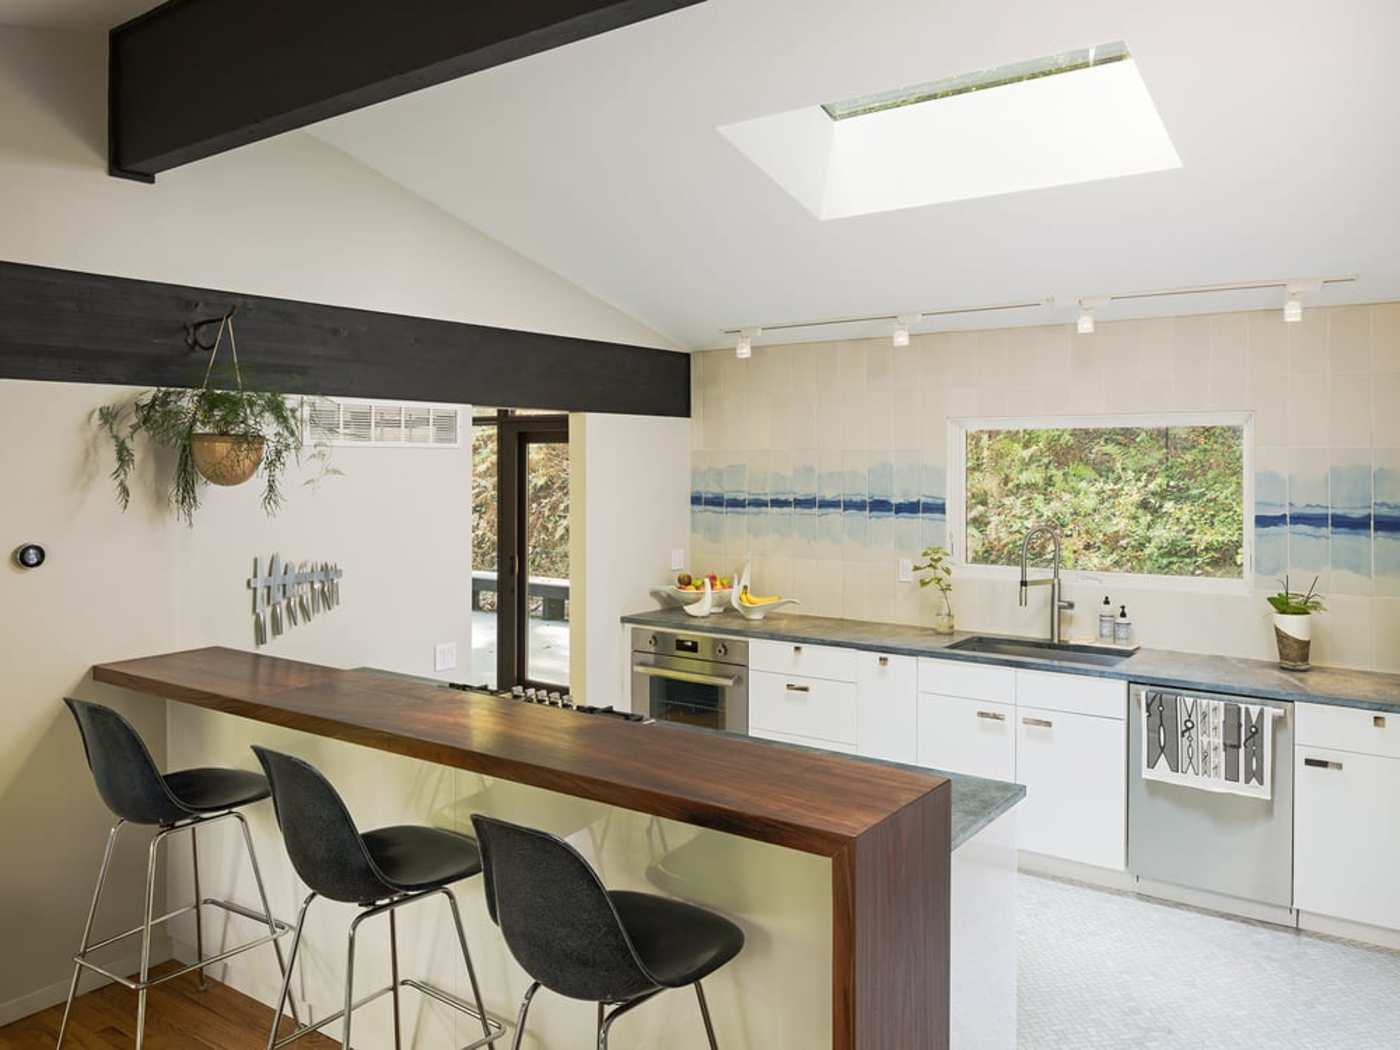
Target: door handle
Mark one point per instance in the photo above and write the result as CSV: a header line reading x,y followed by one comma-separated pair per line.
x,y
991,716
1322,763
798,688
1040,723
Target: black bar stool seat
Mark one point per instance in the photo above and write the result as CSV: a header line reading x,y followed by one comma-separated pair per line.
x,y
381,871
676,943
208,790
414,859
575,937
136,792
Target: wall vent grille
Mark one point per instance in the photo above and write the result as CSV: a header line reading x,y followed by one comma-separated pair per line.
x,y
381,424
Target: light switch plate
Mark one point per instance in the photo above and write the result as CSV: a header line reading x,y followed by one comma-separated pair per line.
x,y
906,570
444,656
677,558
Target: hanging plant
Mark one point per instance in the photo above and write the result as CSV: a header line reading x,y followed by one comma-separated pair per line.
x,y
219,436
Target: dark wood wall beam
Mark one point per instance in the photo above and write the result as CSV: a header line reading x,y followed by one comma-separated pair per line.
x,y
193,78
86,328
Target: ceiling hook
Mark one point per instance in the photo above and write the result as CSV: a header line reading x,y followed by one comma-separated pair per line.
x,y
192,328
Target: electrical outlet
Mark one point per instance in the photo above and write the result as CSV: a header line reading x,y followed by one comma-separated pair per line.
x,y
677,558
444,656
906,570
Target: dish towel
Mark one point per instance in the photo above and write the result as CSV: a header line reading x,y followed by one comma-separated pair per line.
x,y
1212,745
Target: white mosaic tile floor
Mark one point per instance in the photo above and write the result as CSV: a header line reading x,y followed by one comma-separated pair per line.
x,y
1109,971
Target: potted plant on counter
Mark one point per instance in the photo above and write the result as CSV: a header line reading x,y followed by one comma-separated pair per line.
x,y
218,436
936,571
1293,624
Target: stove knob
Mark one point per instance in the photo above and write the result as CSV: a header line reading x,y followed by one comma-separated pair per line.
x,y
651,642
721,649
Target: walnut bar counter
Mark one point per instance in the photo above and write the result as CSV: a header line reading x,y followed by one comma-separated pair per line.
x,y
840,870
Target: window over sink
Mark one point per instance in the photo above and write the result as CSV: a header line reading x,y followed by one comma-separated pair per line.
x,y
1158,496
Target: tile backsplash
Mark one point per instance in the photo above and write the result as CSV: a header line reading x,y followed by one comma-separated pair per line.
x,y
827,463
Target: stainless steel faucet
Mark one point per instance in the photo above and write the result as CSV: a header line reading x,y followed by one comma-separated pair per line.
x,y
1057,604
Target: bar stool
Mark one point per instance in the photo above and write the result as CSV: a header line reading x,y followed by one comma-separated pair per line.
x,y
379,870
580,940
137,793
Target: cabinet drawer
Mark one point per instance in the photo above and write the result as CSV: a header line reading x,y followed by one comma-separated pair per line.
x,y
888,724
1346,849
956,678
1073,694
976,737
1075,771
800,706
1349,729
789,738
813,661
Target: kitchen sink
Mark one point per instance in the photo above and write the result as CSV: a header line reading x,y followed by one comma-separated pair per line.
x,y
1029,649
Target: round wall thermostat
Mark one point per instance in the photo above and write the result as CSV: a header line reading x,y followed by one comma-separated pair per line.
x,y
29,556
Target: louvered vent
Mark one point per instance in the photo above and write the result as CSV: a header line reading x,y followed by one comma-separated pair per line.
x,y
339,421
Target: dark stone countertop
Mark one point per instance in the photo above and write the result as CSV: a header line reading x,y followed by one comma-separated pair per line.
x,y
1235,676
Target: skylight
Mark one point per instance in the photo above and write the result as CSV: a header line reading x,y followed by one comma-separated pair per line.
x,y
966,83
1073,117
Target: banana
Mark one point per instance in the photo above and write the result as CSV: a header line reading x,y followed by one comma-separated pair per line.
x,y
754,599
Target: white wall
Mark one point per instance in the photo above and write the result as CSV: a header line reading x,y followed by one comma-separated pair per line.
x,y
289,217
629,487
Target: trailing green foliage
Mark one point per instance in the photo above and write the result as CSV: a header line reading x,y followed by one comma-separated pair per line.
x,y
171,417
936,570
1163,501
1296,603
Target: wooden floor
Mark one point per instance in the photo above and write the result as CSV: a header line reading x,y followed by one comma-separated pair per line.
x,y
178,1017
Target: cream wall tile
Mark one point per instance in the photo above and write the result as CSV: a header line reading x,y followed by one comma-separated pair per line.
x,y
958,358
1349,338
797,404
1307,343
879,395
1087,383
820,585
854,578
850,395
1269,396
1309,409
1190,363
1385,634
1342,634
697,402
1385,337
1385,409
1268,341
904,412
993,359
1351,410
879,590
1229,362
1119,354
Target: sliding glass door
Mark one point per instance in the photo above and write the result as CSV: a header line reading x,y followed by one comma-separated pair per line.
x,y
520,550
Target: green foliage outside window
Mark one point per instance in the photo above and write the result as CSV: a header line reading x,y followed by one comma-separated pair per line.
x,y
1165,501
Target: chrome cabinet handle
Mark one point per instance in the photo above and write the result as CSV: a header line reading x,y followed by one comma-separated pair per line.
x,y
1322,763
991,716
798,688
797,650
1041,723
1378,721
884,661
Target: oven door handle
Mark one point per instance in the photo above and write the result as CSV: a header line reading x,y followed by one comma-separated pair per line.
x,y
686,676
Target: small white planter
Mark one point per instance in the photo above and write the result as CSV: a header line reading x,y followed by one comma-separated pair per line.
x,y
1294,637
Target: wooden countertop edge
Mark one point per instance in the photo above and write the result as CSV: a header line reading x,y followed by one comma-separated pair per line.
x,y
801,837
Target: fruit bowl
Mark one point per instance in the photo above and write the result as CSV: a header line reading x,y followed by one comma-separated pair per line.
x,y
762,609
674,597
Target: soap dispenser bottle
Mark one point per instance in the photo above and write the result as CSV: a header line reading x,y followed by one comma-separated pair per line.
x,y
1106,620
1123,628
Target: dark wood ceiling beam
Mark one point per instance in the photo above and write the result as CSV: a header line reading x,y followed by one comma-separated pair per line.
x,y
194,78
66,326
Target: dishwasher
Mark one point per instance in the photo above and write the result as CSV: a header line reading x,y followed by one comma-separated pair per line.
x,y
1202,840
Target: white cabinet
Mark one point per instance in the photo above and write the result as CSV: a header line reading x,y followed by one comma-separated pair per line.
x,y
962,735
974,681
1075,770
793,705
888,720
1346,810
792,738
810,661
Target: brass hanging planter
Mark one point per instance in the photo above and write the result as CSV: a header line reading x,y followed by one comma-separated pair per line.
x,y
227,459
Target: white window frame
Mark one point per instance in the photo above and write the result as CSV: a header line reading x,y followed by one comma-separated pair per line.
x,y
959,427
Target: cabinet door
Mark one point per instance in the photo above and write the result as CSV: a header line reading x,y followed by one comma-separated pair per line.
x,y
1346,813
888,718
804,741
976,737
1075,771
807,707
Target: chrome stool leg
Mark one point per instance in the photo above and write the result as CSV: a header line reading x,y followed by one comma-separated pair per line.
x,y
87,929
266,907
467,959
145,975
198,899
705,1015
394,974
525,1012
287,973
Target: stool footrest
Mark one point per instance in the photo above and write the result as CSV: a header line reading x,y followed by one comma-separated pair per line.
x,y
497,1028
282,929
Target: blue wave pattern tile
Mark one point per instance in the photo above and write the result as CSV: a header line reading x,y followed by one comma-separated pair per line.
x,y
713,504
1270,524
1309,520
829,530
855,502
933,506
756,503
804,499
1351,499
880,510
735,531
1387,522
908,481
780,499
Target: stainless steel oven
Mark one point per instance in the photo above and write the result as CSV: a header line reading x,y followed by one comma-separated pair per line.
x,y
691,678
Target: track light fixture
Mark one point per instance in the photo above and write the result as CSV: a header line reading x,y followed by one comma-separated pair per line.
x,y
743,347
902,324
1086,314
1293,306
1293,310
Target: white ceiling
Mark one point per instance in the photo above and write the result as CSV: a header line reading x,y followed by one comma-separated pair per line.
x,y
71,14
602,160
